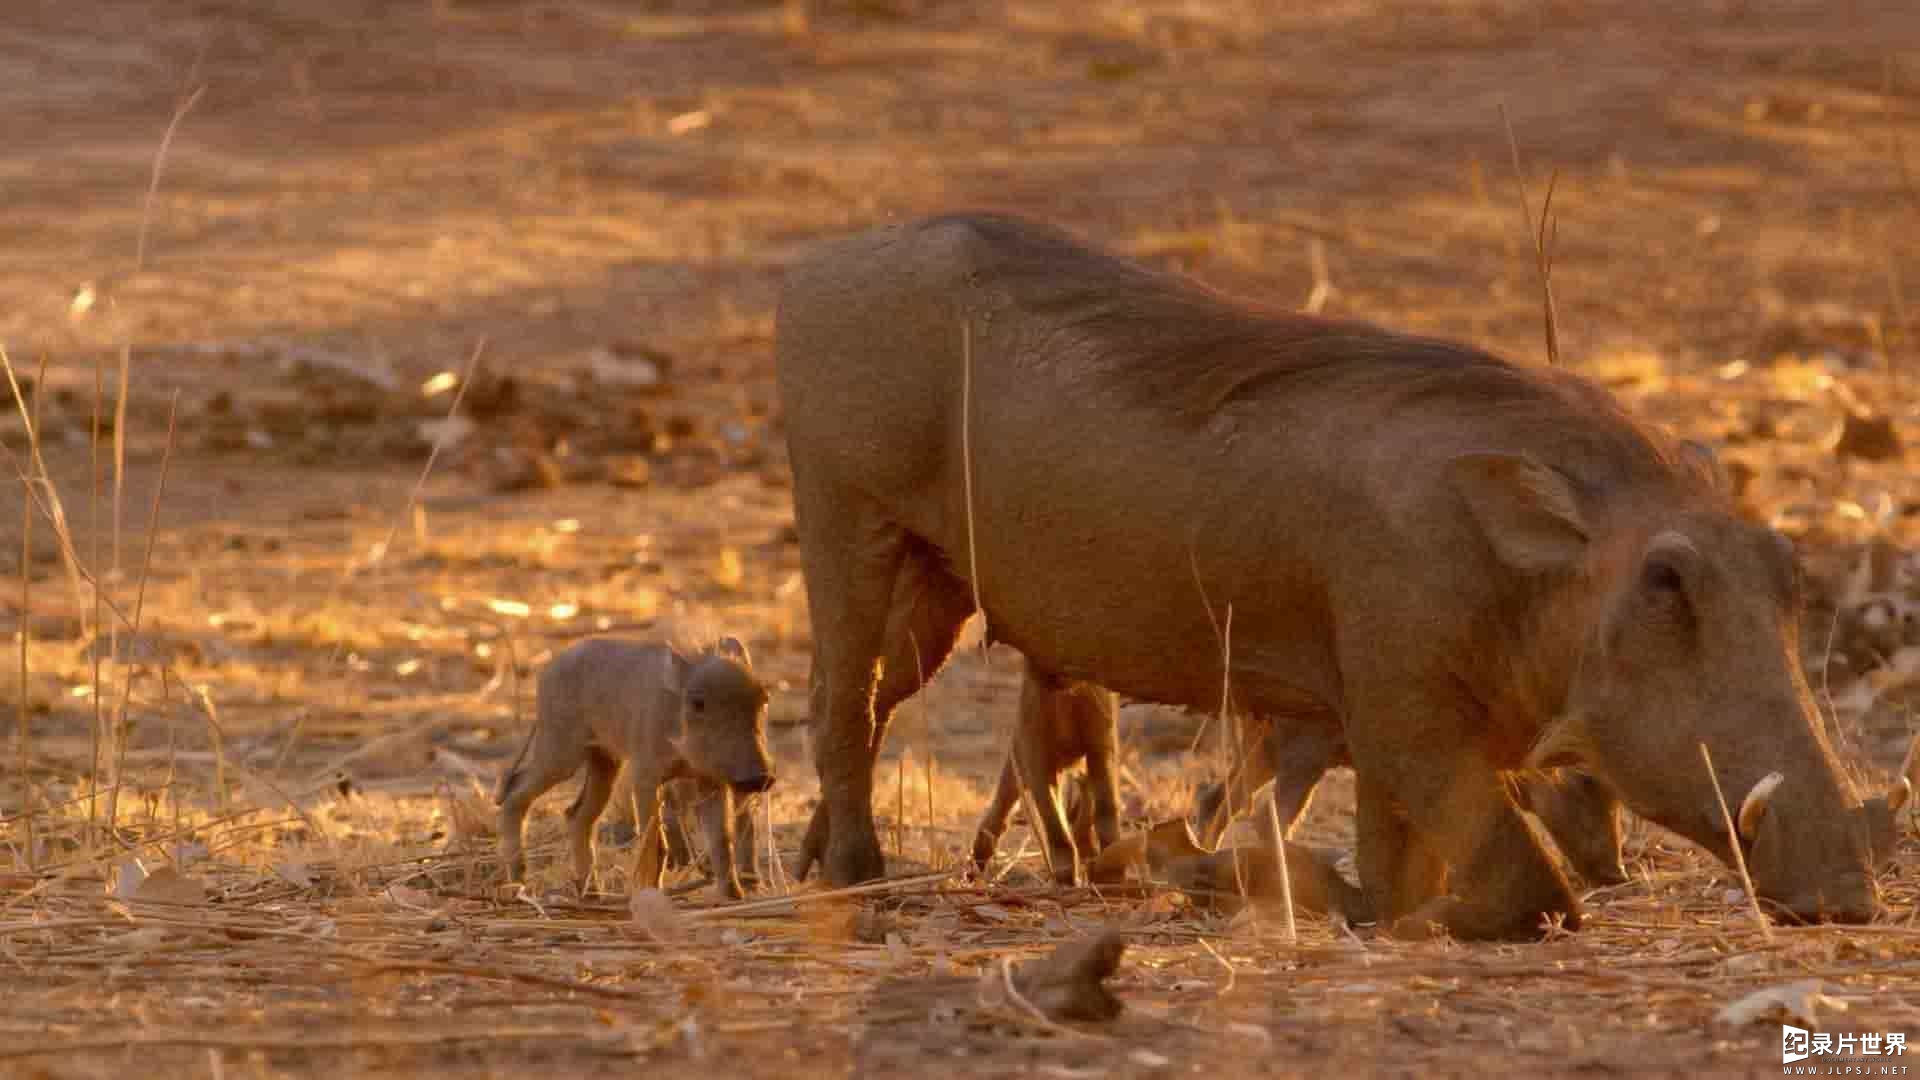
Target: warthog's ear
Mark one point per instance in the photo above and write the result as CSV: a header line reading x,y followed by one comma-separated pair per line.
x,y
735,648
1526,510
1700,456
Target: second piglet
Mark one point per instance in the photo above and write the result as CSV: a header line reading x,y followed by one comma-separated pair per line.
x,y
669,716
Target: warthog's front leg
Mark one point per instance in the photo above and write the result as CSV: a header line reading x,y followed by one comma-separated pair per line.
x,y
1398,873
886,614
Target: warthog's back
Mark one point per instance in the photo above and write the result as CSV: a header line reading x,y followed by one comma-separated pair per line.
x,y
1134,435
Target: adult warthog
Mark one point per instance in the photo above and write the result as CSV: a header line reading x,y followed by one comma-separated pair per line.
x,y
1475,566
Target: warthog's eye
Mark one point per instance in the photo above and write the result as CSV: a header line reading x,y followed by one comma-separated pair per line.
x,y
697,703
1663,579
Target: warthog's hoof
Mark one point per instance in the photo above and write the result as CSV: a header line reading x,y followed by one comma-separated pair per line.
x,y
984,845
851,862
813,846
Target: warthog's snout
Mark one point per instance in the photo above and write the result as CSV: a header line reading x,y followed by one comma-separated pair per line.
x,y
1850,899
753,785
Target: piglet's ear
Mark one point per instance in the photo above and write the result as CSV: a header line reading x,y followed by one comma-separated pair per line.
x,y
1526,510
735,648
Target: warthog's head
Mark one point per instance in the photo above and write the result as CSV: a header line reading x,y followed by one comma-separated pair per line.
x,y
1680,620
723,710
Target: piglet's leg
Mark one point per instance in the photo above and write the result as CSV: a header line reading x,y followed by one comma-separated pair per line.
x,y
1040,708
746,838
586,809
716,820
650,843
994,822
1101,729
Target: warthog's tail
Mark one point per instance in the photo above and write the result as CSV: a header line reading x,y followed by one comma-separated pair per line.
x,y
512,775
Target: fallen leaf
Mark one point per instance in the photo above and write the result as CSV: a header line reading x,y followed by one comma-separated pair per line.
x,y
1796,1003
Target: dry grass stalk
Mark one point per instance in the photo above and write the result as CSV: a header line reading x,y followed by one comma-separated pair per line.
x,y
91,838
309,1042
1236,736
24,736
1542,238
785,903
153,180
1733,840
1279,843
119,749
41,490
433,455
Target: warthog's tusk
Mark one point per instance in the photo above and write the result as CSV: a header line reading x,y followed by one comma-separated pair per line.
x,y
1899,793
1754,806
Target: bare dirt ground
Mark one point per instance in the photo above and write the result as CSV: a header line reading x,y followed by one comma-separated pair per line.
x,y
298,741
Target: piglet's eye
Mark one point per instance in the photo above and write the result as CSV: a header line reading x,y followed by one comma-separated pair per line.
x,y
697,704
